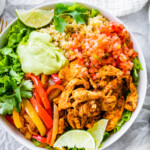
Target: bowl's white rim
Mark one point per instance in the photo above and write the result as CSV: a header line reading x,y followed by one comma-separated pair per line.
x,y
125,127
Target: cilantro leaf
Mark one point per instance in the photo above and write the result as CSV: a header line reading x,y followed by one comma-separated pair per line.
x,y
79,17
60,8
60,24
7,103
79,13
94,12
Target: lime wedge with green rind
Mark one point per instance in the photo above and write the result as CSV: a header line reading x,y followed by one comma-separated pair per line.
x,y
97,131
36,18
78,138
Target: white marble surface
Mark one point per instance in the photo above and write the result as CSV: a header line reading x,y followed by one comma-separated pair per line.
x,y
138,136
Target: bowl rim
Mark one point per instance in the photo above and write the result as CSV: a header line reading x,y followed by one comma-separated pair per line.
x,y
5,124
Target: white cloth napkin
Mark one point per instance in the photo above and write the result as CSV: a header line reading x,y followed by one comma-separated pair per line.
x,y
116,7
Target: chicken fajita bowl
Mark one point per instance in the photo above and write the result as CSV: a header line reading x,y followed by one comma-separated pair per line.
x,y
71,77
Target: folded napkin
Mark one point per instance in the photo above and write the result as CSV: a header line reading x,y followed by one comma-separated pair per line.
x,y
116,7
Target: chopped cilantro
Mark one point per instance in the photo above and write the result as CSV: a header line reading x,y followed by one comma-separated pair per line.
x,y
79,13
94,12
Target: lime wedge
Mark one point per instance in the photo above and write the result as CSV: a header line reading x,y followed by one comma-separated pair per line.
x,y
97,131
78,138
35,18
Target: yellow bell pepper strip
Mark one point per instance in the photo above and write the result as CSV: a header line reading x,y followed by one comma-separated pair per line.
x,y
16,119
55,125
34,116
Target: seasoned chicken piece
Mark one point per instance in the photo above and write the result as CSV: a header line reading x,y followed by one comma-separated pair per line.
x,y
93,84
101,83
115,115
81,95
64,100
115,85
131,100
90,109
74,120
109,71
64,75
61,126
108,103
91,120
74,70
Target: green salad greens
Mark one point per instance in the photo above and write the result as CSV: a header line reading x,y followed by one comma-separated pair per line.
x,y
11,75
136,69
125,117
79,13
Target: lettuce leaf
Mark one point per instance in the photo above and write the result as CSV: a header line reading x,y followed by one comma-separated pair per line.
x,y
135,71
11,75
125,117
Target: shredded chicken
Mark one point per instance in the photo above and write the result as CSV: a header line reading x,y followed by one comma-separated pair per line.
x,y
81,103
131,101
115,115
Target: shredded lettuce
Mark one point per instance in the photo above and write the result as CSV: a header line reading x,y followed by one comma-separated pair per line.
x,y
106,136
75,148
135,71
11,75
125,117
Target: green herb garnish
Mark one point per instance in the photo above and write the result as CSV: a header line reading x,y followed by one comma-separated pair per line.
x,y
79,13
94,13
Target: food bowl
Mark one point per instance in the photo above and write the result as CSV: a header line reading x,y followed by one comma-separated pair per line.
x,y
141,89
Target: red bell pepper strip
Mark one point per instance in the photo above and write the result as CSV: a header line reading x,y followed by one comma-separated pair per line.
x,y
40,90
56,78
47,119
37,96
39,138
10,119
54,87
49,136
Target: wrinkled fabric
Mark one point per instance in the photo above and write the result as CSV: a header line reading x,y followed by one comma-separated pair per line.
x,y
138,136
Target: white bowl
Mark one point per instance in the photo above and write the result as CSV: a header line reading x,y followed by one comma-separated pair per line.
x,y
141,88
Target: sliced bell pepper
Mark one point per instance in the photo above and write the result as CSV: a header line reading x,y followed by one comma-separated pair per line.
x,y
54,87
34,116
49,136
46,118
40,90
55,125
8,117
37,96
56,78
16,119
39,138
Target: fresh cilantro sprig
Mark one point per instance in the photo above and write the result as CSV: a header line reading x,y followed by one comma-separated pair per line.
x,y
79,13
